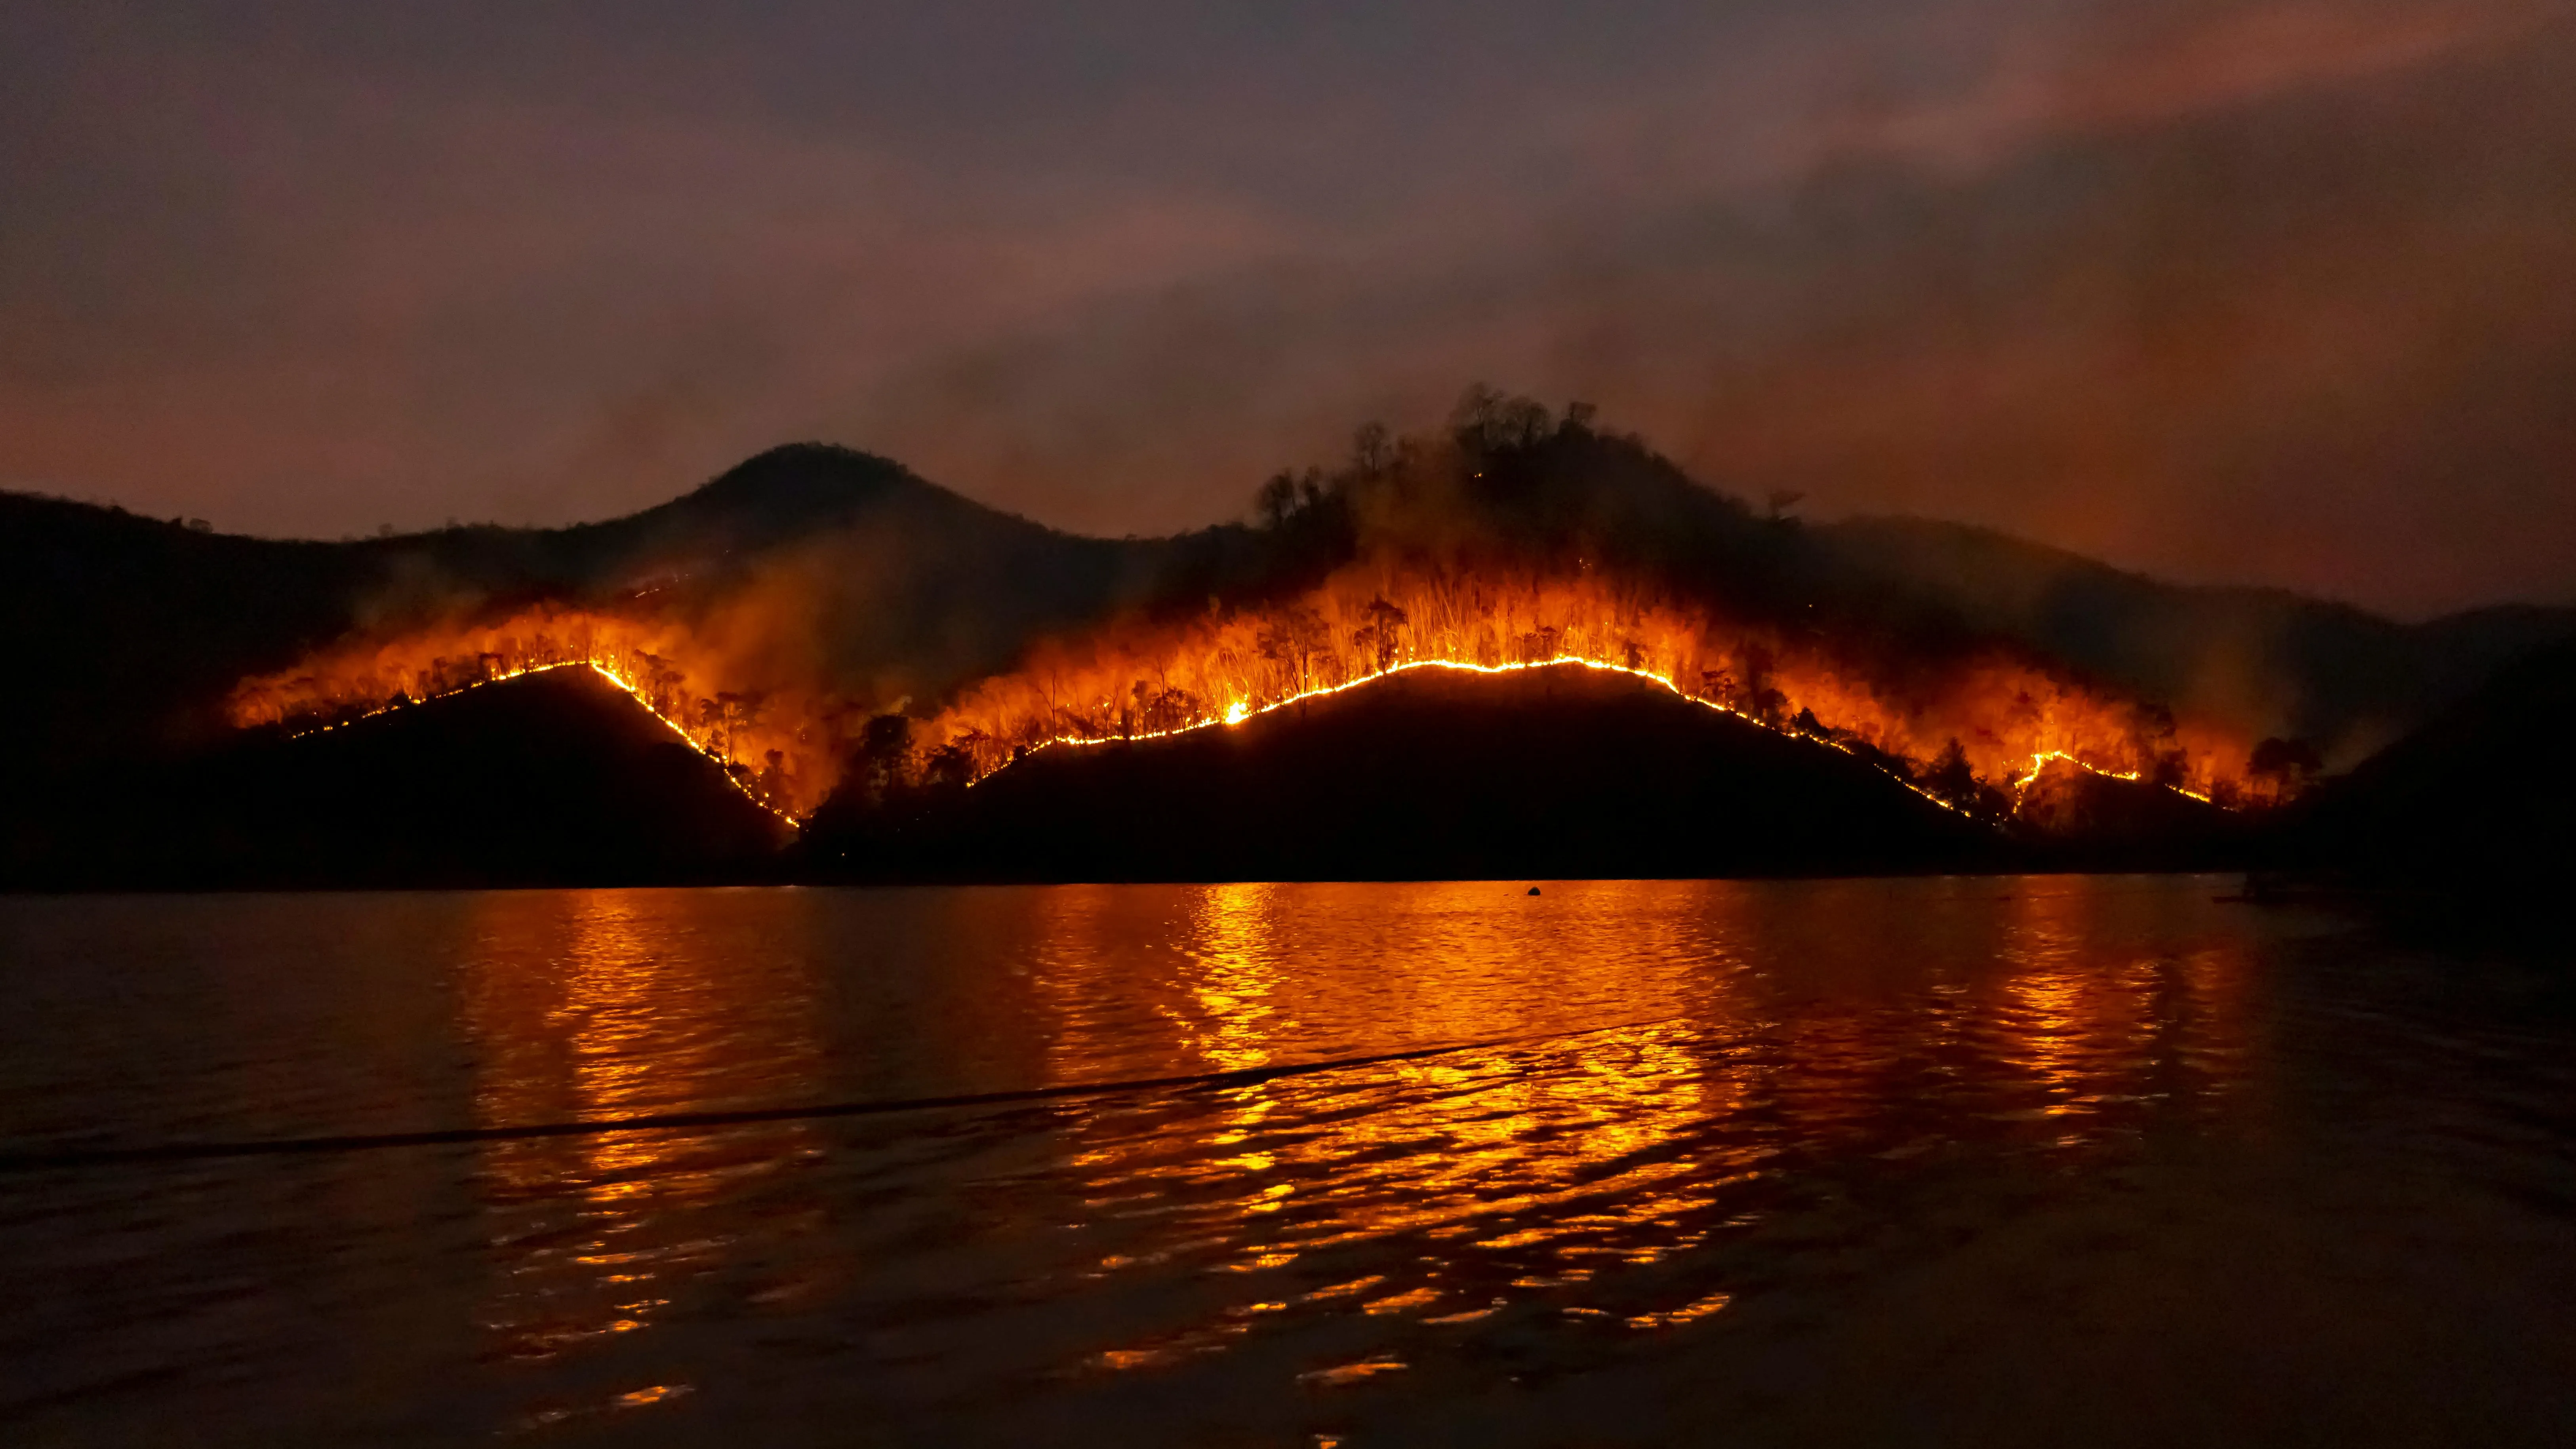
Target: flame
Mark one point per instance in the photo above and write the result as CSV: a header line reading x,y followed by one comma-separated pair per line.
x,y
2009,717
656,665
1999,718
2040,762
1241,710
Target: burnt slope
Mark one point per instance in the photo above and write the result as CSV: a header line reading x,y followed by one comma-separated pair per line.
x,y
2482,798
1556,772
552,779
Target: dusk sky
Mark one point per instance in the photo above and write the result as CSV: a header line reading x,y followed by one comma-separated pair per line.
x,y
2237,292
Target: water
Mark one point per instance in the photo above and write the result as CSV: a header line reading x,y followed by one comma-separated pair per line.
x,y
2099,1160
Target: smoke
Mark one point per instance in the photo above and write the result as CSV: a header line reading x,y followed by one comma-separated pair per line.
x,y
2293,332
2259,290
766,616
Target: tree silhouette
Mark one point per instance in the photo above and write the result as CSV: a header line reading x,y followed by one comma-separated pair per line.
x,y
949,768
1949,776
1276,500
711,719
885,755
1372,449
2285,766
1294,636
1486,421
1381,638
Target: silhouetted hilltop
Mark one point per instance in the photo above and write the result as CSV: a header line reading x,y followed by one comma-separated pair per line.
x,y
2480,799
787,493
797,496
553,778
1554,772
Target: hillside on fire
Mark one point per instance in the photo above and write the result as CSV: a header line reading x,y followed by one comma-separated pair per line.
x,y
557,778
1552,772
820,626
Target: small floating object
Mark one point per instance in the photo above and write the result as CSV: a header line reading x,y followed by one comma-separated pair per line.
x,y
1533,890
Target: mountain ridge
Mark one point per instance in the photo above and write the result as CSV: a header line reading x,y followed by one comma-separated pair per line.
x,y
127,631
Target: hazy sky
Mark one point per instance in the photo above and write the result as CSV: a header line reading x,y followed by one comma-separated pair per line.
x,y
2280,291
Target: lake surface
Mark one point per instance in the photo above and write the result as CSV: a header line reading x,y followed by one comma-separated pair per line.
x,y
2050,1160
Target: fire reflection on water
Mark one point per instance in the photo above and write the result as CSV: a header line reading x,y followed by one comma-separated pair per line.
x,y
1232,1027
1538,1171
614,1007
1645,1077
2087,1032
1946,1135
1515,1166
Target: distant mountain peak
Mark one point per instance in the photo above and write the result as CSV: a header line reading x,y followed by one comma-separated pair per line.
x,y
802,479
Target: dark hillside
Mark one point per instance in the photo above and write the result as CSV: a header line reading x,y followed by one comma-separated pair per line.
x,y
2074,819
120,631
2482,799
552,779
1556,772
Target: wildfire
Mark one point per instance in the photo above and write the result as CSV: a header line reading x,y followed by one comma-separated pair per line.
x,y
1239,711
657,665
1947,730
1971,732
2041,762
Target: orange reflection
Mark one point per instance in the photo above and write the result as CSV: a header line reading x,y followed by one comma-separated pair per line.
x,y
1650,1073
1539,1161
1229,993
603,1004
1659,1055
2101,1010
